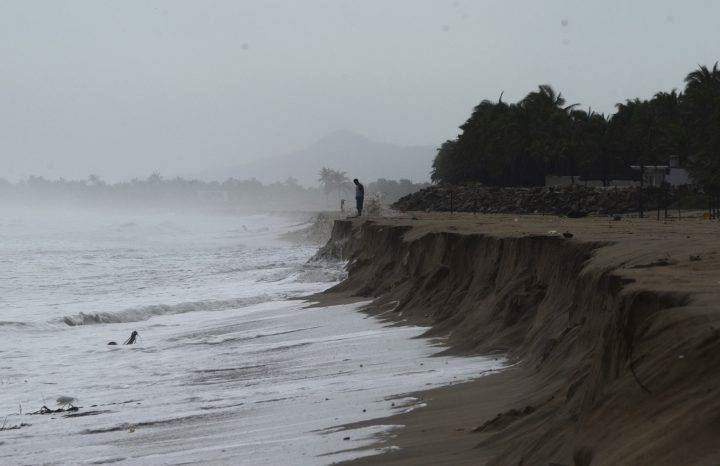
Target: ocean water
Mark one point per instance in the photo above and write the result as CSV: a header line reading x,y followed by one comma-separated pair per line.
x,y
231,366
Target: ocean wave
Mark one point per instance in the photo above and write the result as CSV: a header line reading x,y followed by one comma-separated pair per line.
x,y
137,314
320,275
324,272
7,323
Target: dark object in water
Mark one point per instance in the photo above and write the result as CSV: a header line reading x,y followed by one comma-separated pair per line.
x,y
617,218
112,343
132,339
567,235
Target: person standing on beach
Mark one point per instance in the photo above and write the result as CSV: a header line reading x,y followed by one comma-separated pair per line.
x,y
359,196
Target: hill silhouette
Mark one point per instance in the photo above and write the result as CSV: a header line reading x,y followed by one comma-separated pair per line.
x,y
346,151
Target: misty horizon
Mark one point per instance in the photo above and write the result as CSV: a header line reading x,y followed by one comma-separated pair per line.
x,y
128,89
376,160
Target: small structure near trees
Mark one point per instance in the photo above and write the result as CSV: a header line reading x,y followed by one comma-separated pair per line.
x,y
658,175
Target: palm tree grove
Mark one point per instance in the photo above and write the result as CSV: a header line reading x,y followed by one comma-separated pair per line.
x,y
519,144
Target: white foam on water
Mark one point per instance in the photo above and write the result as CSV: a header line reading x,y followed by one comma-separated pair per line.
x,y
228,368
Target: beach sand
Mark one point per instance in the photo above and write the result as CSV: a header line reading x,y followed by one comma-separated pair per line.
x,y
613,333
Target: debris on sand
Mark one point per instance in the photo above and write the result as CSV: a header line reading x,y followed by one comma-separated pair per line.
x,y
46,410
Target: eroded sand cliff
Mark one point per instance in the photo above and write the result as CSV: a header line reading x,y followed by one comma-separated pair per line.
x,y
615,333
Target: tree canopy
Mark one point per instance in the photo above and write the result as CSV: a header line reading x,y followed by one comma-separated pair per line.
x,y
333,181
518,144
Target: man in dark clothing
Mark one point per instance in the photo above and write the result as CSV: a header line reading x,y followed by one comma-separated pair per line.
x,y
359,196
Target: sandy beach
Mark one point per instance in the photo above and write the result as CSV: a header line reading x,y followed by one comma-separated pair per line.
x,y
612,330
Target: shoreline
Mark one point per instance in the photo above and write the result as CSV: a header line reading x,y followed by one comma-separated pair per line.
x,y
608,356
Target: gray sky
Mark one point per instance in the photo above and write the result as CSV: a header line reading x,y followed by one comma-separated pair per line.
x,y
126,87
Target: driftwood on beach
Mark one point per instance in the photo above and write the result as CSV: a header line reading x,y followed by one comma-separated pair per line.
x,y
46,410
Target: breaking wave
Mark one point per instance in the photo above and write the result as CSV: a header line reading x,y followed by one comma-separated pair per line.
x,y
320,274
137,314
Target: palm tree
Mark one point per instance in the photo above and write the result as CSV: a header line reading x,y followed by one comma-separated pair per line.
x,y
333,180
701,102
701,83
547,127
545,96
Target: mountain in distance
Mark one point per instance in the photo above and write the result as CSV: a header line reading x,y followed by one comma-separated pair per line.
x,y
346,151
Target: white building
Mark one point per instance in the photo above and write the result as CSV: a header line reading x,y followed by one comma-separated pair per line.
x,y
672,173
653,175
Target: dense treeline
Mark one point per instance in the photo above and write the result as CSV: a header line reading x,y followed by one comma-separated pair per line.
x,y
156,191
518,144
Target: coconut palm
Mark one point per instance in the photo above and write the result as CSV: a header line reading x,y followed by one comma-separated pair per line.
x,y
701,86
701,102
519,143
333,181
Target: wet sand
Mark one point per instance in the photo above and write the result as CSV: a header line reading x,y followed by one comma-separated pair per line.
x,y
628,381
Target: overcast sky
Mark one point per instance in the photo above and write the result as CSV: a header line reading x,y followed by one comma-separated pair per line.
x,y
123,88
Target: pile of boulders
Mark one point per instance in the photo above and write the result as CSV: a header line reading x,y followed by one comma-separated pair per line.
x,y
567,200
